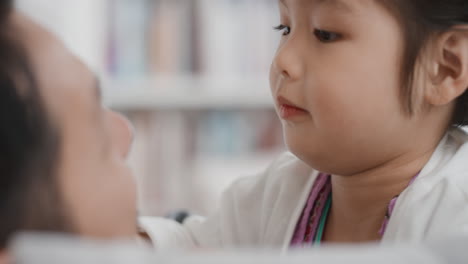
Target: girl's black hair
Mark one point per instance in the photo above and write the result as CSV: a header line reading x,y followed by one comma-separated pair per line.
x,y
29,144
421,20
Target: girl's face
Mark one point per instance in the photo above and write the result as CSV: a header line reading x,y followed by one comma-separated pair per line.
x,y
336,81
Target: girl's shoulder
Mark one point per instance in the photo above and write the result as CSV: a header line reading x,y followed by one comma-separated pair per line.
x,y
434,206
450,161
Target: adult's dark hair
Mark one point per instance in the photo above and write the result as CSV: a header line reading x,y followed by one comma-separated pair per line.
x,y
421,20
29,144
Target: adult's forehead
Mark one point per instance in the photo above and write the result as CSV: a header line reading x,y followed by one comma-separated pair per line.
x,y
37,40
63,80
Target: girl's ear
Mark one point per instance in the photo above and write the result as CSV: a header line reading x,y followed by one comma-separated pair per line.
x,y
449,67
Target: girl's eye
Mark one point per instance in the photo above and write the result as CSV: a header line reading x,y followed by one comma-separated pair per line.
x,y
286,30
326,36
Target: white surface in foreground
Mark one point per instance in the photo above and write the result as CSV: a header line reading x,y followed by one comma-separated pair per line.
x,y
53,249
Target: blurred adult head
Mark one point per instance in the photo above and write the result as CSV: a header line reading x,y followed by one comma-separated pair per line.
x,y
62,155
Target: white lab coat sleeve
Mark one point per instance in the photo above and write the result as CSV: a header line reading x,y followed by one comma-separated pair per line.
x,y
241,219
237,222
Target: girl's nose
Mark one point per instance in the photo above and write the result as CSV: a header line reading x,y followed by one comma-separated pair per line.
x,y
288,62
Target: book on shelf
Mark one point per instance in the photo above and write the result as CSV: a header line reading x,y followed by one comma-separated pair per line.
x,y
128,31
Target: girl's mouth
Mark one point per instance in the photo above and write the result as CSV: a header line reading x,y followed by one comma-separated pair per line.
x,y
288,110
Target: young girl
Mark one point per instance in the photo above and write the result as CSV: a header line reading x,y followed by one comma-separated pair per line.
x,y
371,95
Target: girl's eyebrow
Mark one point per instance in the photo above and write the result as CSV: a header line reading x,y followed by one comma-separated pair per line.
x,y
339,4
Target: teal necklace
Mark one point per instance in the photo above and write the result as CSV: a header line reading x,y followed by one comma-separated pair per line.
x,y
323,221
311,226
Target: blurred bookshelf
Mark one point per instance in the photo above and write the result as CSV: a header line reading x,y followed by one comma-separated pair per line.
x,y
192,76
187,93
